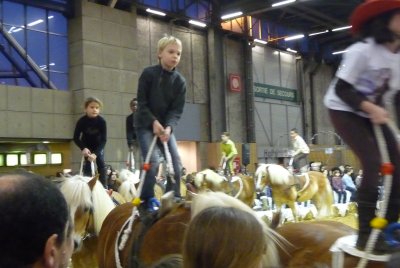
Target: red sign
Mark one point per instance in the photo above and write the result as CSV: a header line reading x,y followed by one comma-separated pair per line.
x,y
235,84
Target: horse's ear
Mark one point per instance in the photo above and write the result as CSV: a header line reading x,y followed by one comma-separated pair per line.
x,y
92,182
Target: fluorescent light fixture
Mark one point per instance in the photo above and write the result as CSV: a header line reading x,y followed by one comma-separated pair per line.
x,y
341,28
339,52
11,29
197,23
40,159
294,37
263,42
318,33
231,15
291,50
152,11
17,29
56,158
33,23
50,17
283,3
51,64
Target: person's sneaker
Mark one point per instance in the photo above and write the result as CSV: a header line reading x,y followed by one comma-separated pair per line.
x,y
153,204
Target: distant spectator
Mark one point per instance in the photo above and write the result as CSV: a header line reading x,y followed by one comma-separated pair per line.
x,y
349,183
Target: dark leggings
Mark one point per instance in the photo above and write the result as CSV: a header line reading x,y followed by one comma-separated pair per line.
x,y
357,132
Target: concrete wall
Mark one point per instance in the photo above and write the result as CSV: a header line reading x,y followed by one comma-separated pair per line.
x,y
31,112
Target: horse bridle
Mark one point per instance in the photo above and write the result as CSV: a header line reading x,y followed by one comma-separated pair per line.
x,y
87,234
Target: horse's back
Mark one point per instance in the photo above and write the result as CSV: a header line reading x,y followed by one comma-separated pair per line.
x,y
165,236
311,242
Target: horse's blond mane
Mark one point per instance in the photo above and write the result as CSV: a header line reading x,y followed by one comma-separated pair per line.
x,y
102,205
210,176
78,194
277,174
219,199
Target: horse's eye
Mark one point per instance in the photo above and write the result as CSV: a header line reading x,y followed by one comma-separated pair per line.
x,y
87,209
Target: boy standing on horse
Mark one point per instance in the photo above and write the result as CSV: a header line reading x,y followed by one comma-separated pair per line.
x,y
301,150
357,102
161,99
90,136
229,152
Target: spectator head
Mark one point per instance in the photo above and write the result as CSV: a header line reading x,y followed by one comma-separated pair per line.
x,y
35,226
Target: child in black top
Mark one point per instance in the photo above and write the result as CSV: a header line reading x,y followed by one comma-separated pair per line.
x,y
161,99
90,136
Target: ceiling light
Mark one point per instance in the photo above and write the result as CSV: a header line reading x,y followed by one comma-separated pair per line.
x,y
318,33
263,42
283,3
50,17
341,28
294,37
33,23
152,11
197,23
231,15
339,52
291,50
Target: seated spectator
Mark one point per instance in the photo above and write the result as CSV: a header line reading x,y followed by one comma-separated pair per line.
x,y
349,183
338,186
226,233
359,178
35,226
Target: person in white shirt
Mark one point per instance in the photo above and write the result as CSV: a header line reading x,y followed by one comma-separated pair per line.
x,y
301,151
364,93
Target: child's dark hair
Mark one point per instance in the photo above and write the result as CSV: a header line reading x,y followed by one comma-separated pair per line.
x,y
226,134
92,99
378,28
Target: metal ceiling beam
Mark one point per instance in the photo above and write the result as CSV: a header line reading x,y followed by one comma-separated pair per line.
x,y
112,3
24,55
317,14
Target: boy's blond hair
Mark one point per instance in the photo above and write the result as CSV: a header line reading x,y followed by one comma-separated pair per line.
x,y
92,99
167,40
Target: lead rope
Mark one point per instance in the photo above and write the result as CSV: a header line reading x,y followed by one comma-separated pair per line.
x,y
91,167
136,203
131,161
387,168
170,166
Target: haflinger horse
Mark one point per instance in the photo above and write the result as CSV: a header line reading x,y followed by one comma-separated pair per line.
x,y
293,245
241,186
289,189
157,235
89,204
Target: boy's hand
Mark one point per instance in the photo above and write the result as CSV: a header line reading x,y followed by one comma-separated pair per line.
x,y
164,137
86,152
92,157
158,129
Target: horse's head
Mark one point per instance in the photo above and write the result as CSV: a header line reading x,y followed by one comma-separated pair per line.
x,y
261,177
127,188
271,174
89,204
77,193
